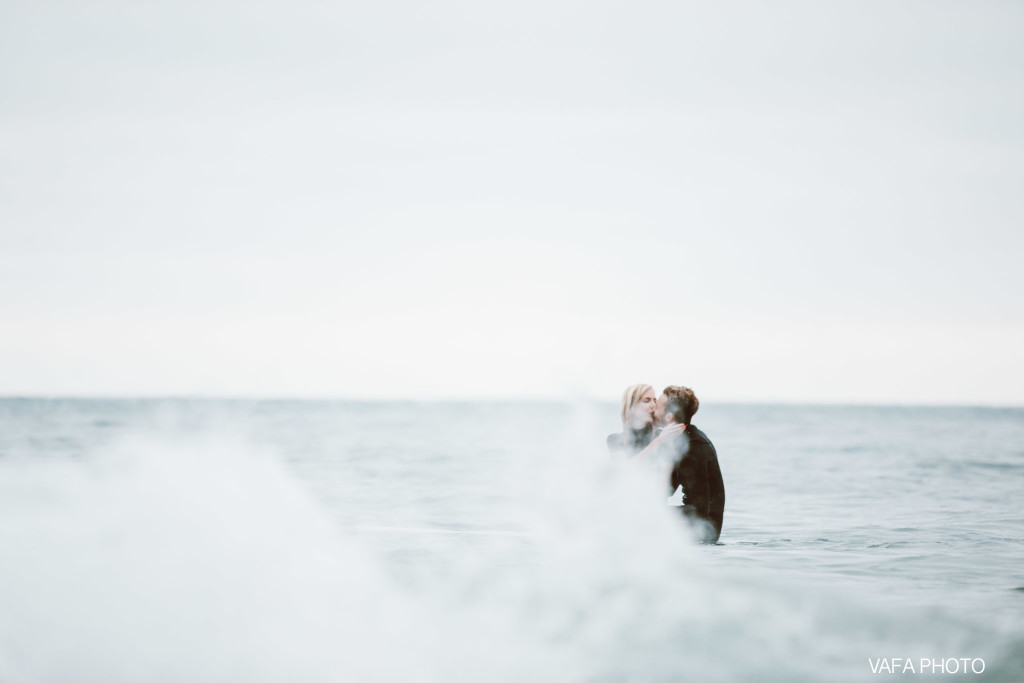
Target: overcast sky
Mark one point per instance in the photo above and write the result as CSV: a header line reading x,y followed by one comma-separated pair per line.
x,y
795,201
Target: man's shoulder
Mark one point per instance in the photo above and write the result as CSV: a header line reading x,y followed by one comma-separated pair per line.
x,y
700,443
697,436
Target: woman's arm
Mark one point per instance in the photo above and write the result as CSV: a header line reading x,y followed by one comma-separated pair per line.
x,y
667,436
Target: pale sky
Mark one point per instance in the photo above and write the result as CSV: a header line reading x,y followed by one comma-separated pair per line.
x,y
796,201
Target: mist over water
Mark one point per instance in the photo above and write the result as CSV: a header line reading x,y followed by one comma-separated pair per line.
x,y
329,541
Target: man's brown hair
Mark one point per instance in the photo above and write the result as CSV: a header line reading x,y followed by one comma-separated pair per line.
x,y
682,403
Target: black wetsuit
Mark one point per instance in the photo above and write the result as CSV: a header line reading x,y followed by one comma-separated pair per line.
x,y
631,441
697,471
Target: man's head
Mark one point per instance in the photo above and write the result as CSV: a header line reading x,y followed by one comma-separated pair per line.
x,y
676,404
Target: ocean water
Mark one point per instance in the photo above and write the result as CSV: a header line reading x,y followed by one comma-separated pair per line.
x,y
199,540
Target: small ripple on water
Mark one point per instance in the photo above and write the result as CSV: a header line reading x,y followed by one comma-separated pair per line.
x,y
983,464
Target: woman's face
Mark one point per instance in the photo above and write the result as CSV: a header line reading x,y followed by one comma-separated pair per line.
x,y
643,411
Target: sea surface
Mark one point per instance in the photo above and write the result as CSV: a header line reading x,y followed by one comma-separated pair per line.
x,y
209,540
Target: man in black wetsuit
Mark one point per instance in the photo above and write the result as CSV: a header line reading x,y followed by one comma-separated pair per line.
x,y
696,465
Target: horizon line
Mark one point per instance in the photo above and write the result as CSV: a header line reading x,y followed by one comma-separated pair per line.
x,y
835,403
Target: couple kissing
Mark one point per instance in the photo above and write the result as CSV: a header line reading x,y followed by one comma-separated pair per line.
x,y
655,427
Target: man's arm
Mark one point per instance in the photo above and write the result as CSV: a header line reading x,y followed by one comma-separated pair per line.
x,y
703,501
716,492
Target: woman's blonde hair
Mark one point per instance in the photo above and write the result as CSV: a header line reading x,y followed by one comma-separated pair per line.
x,y
630,397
